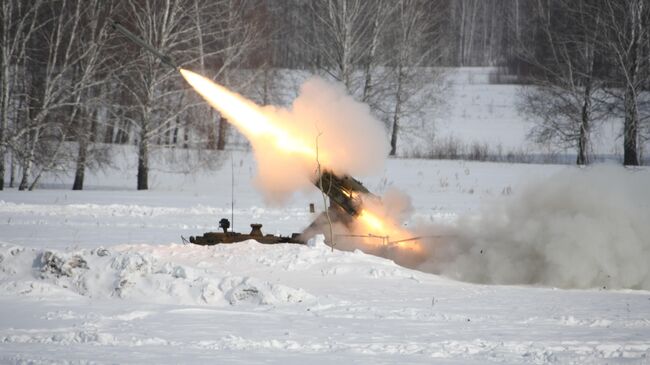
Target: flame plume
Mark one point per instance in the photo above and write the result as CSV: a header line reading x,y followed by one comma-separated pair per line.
x,y
395,236
258,125
246,115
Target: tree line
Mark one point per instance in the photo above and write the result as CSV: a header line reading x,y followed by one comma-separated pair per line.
x,y
67,79
589,61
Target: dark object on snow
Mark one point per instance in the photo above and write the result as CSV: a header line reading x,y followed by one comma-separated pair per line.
x,y
345,191
346,195
60,264
214,238
140,42
224,224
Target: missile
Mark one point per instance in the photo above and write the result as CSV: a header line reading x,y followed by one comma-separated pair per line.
x,y
135,39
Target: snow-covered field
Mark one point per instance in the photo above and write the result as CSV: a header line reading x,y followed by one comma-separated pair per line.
x,y
101,276
479,112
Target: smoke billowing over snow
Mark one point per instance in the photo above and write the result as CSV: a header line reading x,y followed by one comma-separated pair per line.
x,y
582,228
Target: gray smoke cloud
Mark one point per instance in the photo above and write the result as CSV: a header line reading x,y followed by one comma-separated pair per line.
x,y
581,228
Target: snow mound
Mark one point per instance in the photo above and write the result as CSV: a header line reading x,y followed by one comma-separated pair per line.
x,y
141,273
255,291
63,338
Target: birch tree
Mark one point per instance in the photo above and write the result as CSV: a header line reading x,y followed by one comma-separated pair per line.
x,y
91,74
19,23
50,88
343,35
626,27
413,46
567,98
214,36
153,87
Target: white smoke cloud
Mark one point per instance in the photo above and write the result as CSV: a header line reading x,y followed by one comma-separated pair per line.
x,y
581,228
350,140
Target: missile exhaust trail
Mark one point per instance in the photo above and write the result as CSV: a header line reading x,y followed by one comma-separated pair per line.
x,y
140,42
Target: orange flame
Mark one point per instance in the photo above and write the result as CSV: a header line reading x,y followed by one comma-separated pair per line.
x,y
395,236
246,115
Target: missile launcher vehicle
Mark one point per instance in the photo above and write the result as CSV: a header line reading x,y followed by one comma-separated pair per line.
x,y
213,238
345,195
346,192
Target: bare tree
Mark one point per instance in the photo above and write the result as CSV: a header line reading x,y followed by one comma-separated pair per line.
x,y
19,22
91,74
379,15
215,35
50,90
343,35
378,50
468,11
413,45
153,90
567,97
626,27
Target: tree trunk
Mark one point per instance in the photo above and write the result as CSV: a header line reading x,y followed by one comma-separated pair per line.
x,y
346,57
472,29
24,183
4,117
583,138
12,171
123,132
2,167
367,86
630,124
4,92
393,136
630,129
585,120
266,90
143,161
29,162
223,131
110,130
175,133
3,149
461,34
81,165
186,135
397,113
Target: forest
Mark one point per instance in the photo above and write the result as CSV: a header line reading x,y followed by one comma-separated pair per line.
x,y
71,86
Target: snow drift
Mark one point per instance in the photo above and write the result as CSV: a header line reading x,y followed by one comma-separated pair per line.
x,y
141,273
581,228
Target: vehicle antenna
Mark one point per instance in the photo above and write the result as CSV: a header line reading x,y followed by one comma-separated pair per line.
x,y
232,191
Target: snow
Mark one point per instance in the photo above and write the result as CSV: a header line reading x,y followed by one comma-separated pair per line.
x,y
477,112
102,275
171,303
